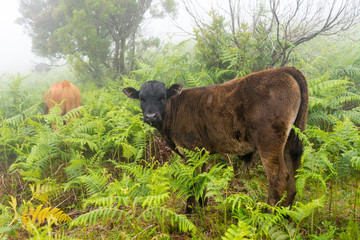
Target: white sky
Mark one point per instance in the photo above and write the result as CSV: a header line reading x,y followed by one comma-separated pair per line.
x,y
15,45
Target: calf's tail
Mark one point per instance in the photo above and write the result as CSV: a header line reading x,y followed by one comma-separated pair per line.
x,y
295,144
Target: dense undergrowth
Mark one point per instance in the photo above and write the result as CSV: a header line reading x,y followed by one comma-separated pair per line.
x,y
106,175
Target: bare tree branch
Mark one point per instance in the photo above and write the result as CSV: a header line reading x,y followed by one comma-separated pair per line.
x,y
286,24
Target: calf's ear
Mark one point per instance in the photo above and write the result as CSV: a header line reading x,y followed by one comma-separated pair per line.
x,y
131,92
174,90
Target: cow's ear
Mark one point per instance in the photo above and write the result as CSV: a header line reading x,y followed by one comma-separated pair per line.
x,y
131,92
174,90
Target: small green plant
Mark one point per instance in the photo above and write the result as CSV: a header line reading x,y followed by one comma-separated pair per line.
x,y
141,197
254,222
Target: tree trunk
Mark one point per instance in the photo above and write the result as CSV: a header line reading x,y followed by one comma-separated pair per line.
x,y
116,64
122,56
132,53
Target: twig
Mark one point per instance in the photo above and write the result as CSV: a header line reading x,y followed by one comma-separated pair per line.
x,y
143,231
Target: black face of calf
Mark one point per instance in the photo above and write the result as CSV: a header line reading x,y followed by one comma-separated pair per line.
x,y
153,98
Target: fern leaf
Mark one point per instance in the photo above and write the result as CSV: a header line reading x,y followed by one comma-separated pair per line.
x,y
185,225
241,231
31,215
17,119
95,183
4,230
237,200
45,191
35,213
138,171
277,234
155,200
300,211
43,214
108,201
355,161
73,113
93,217
325,85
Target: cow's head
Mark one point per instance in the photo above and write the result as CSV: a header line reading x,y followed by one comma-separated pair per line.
x,y
153,97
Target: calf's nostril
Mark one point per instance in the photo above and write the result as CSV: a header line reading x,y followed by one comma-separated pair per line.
x,y
151,116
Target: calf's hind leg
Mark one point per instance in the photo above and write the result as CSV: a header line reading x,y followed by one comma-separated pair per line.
x,y
271,151
292,157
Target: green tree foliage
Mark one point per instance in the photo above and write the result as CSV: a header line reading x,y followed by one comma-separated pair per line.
x,y
245,50
96,37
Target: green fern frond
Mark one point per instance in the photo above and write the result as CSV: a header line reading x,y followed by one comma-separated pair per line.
x,y
183,179
6,219
73,113
15,120
318,80
145,71
317,117
276,233
221,75
132,82
191,80
196,158
242,74
140,172
302,181
64,237
95,183
323,84
54,116
97,157
230,55
355,161
340,100
7,230
316,103
353,114
240,231
348,97
76,167
203,78
19,118
301,211
82,139
107,201
350,71
155,200
93,217
236,201
219,177
47,147
74,170
184,224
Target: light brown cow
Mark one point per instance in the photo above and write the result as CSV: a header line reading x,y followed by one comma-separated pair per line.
x,y
239,117
62,92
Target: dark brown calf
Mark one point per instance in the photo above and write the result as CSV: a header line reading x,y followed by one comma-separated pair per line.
x,y
239,117
62,92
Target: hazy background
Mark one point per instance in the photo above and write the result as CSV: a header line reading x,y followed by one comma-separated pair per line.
x,y
15,48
